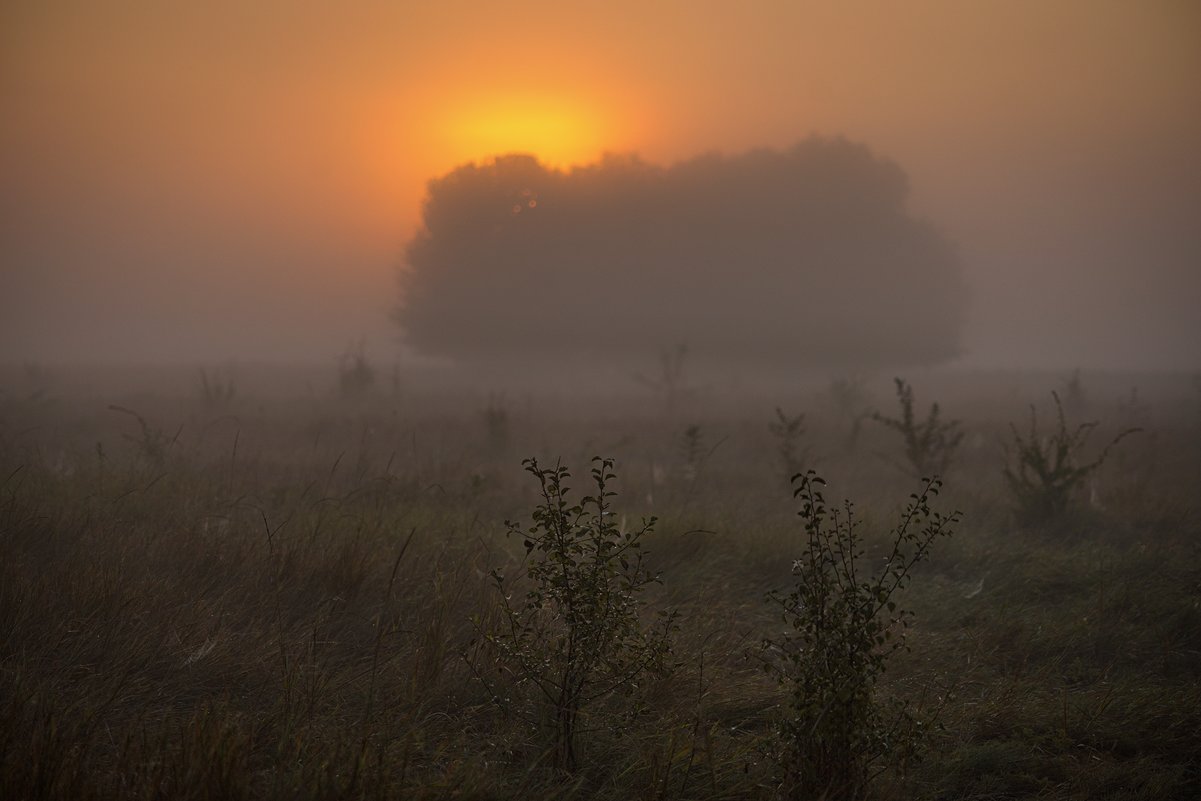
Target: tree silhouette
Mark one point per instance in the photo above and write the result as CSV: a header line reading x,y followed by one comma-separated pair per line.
x,y
804,256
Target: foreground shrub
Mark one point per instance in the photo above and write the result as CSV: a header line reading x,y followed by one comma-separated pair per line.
x,y
1044,473
576,636
842,625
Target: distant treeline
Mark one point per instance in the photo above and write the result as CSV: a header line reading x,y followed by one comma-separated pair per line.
x,y
806,257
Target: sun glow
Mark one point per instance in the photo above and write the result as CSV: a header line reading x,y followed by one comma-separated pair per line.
x,y
423,134
558,133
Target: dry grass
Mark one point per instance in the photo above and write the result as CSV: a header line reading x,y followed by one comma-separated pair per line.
x,y
240,616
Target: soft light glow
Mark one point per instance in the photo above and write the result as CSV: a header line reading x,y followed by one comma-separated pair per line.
x,y
559,133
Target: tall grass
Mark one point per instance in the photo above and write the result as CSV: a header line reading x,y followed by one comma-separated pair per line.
x,y
155,642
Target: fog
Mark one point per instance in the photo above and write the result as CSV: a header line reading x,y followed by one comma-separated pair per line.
x,y
351,353
182,187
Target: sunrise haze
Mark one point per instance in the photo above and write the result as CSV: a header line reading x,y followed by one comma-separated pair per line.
x,y
231,180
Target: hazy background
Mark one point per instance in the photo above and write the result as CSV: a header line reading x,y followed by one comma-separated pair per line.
x,y
200,182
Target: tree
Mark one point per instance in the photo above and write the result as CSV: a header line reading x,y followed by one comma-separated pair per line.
x,y
766,257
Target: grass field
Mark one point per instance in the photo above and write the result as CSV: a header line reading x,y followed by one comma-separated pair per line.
x,y
218,601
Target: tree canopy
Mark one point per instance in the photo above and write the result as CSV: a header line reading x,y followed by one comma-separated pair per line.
x,y
804,257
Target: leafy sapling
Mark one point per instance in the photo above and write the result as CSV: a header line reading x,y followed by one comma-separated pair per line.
x,y
842,621
1044,473
929,445
575,638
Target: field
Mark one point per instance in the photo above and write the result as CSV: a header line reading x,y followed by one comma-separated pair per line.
x,y
283,594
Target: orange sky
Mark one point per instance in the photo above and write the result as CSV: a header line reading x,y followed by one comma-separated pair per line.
x,y
199,180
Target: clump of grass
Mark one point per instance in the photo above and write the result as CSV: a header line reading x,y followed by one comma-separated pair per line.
x,y
929,445
842,623
1044,473
576,636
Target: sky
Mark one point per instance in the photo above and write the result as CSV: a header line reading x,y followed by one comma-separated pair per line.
x,y
199,182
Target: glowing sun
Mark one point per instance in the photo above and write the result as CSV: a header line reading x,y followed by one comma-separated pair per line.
x,y
559,133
